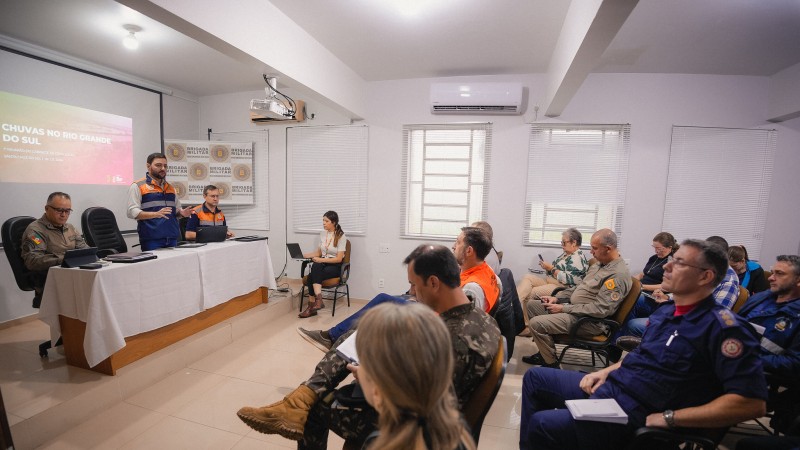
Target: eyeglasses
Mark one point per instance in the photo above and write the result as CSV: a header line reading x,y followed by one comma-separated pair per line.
x,y
682,263
60,210
565,242
658,249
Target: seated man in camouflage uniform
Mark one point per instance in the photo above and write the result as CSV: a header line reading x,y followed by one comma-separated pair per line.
x,y
47,239
305,414
599,295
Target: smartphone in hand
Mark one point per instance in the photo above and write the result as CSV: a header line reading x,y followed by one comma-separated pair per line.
x,y
540,257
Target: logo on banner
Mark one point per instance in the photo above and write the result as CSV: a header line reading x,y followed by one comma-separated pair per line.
x,y
220,153
242,172
175,152
198,171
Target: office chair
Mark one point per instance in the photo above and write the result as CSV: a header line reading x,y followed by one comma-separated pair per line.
x,y
504,310
12,231
100,230
598,345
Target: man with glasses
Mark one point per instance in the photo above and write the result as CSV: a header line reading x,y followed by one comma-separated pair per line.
x,y
154,204
206,214
47,239
698,366
599,295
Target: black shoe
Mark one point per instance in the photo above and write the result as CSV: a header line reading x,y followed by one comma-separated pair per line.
x,y
537,360
614,354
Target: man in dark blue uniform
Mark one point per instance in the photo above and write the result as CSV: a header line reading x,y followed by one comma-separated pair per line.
x,y
697,366
777,311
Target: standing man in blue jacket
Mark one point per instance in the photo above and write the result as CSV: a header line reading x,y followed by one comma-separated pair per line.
x,y
155,205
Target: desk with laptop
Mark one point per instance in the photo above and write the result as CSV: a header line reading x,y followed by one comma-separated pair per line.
x,y
112,304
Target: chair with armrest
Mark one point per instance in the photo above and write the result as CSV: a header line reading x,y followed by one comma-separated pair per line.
x,y
479,403
598,345
100,230
12,231
331,284
651,438
503,311
743,296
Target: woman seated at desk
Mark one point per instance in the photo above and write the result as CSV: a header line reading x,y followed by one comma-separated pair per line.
x,y
327,259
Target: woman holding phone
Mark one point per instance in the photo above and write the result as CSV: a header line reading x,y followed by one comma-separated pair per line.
x,y
566,270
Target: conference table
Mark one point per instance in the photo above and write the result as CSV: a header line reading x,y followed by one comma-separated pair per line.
x,y
106,315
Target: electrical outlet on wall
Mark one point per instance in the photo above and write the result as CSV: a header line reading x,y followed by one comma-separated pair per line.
x,y
381,283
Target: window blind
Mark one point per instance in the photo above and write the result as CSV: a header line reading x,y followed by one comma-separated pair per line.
x,y
328,167
577,177
719,183
445,179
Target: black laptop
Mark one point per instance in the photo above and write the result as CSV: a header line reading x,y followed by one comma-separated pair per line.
x,y
80,256
295,252
211,234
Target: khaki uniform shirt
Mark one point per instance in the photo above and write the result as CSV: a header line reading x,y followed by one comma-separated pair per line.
x,y
44,244
601,292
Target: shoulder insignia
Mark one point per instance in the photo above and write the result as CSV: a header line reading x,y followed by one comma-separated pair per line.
x,y
726,317
610,284
782,324
732,348
33,238
615,296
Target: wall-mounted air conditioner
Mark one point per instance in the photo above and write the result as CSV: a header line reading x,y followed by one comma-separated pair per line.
x,y
476,98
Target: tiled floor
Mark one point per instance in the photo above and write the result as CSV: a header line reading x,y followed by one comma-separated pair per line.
x,y
179,398
186,396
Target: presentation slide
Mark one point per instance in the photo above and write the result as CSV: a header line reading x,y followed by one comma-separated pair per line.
x,y
49,142
68,130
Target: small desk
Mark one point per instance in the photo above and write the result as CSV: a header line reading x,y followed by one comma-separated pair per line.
x,y
190,286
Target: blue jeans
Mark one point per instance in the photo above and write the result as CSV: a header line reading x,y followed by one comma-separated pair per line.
x,y
152,244
543,427
341,328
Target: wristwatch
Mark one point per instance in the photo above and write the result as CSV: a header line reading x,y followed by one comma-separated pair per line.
x,y
669,417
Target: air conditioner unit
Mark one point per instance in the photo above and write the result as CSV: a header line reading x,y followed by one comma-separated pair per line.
x,y
476,98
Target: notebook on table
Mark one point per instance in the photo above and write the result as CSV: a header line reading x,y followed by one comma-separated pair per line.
x,y
130,257
211,234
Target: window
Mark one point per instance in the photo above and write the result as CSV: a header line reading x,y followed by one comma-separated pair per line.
x,y
718,184
329,172
445,179
577,176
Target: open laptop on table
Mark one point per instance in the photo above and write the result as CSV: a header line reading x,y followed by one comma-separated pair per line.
x,y
211,234
295,252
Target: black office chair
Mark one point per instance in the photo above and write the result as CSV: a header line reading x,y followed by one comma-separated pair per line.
x,y
12,231
100,230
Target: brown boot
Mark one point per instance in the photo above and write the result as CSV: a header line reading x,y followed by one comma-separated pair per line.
x,y
309,311
318,303
286,417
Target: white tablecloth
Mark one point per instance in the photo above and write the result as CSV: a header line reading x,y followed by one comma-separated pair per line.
x,y
124,300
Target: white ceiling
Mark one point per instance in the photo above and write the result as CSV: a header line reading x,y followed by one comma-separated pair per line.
x,y
453,37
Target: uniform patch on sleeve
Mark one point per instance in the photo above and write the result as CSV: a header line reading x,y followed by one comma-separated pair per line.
x,y
610,284
726,318
35,239
615,296
732,348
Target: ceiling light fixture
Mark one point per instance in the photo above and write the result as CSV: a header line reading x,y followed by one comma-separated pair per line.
x,y
130,42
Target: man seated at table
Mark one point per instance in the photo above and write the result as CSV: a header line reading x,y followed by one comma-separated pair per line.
x,y
697,367
206,214
47,239
306,414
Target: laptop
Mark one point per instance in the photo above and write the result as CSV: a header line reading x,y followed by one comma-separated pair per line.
x,y
211,234
295,252
79,257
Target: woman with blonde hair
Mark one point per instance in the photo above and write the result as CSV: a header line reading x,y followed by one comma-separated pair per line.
x,y
405,370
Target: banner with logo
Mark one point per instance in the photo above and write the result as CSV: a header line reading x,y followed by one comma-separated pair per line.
x,y
192,165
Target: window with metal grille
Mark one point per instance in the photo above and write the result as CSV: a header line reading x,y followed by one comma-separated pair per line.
x,y
445,179
577,176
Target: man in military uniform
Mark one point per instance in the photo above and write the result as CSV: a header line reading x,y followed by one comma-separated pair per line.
x,y
697,367
599,295
306,414
47,239
206,214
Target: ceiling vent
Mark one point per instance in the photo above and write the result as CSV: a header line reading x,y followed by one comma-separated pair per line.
x,y
476,98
